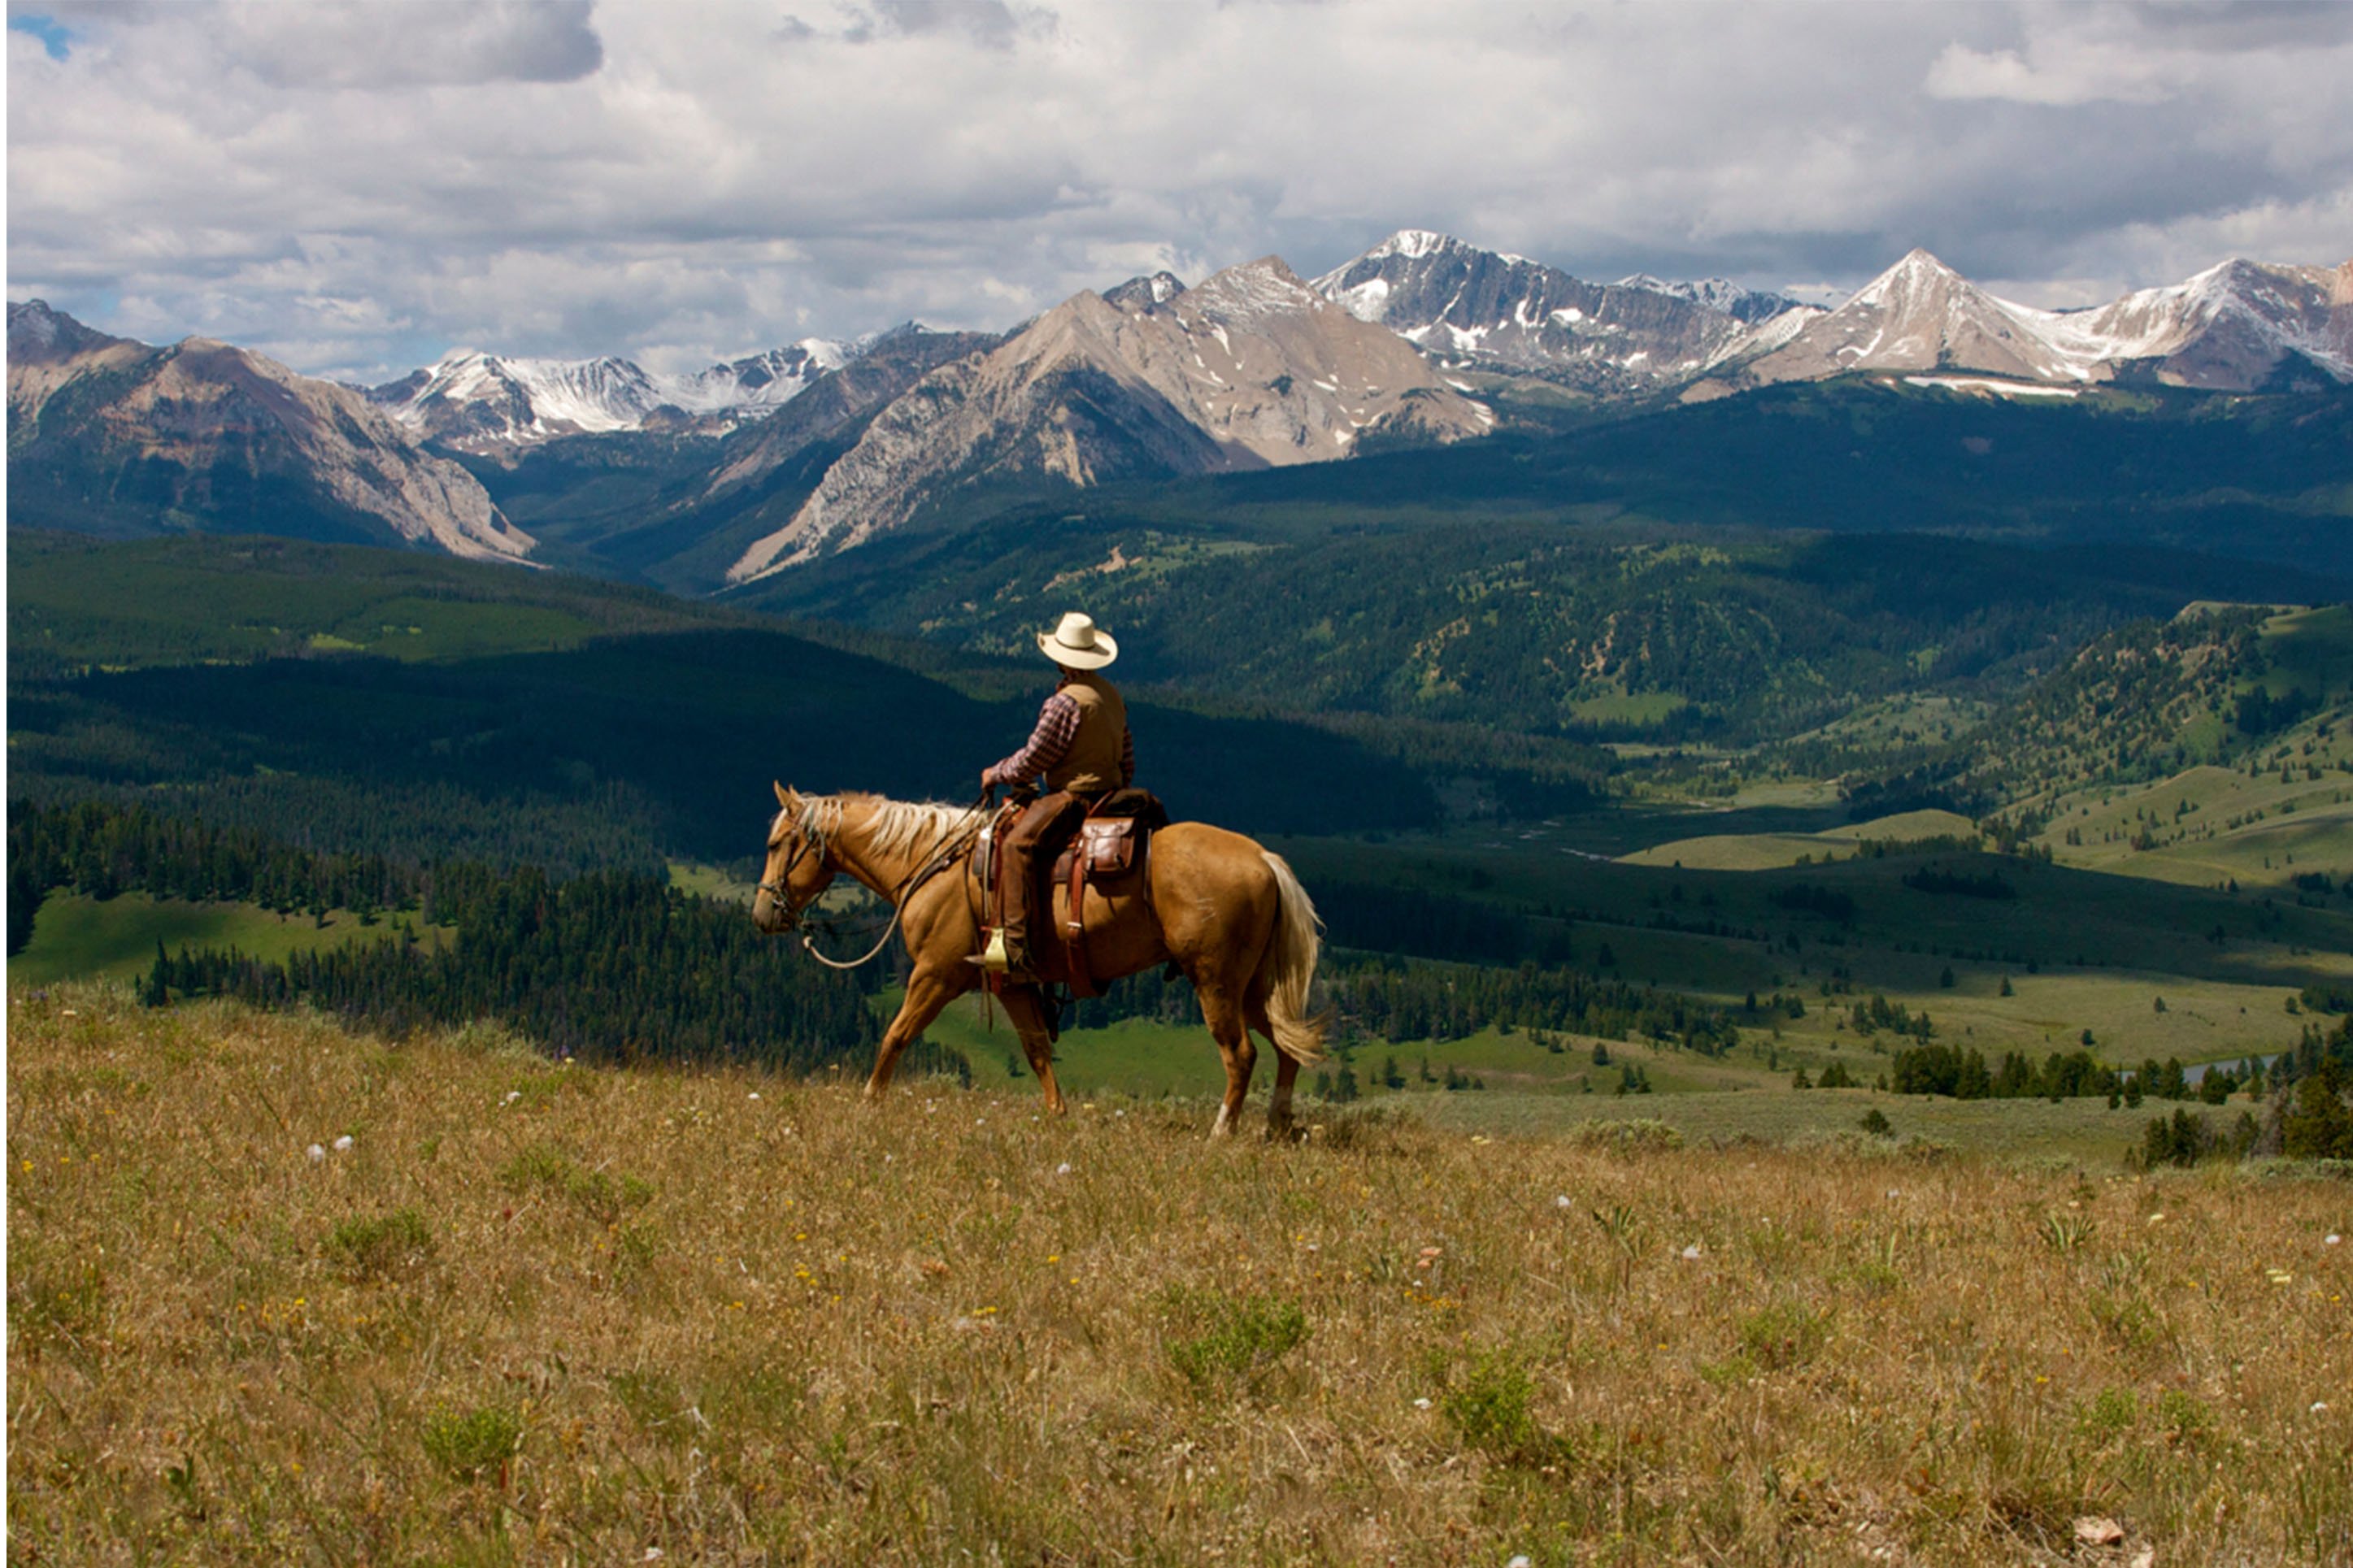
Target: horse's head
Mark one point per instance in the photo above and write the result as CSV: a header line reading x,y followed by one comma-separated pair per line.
x,y
800,865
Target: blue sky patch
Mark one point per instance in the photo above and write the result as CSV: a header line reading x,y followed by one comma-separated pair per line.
x,y
53,34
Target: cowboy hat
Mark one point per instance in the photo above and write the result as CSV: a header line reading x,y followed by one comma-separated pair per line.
x,y
1078,644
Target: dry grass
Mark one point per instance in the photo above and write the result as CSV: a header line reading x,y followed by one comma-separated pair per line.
x,y
542,1315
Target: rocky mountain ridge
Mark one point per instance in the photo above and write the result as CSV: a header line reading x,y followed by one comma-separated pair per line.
x,y
1470,308
1252,368
2236,327
482,402
132,437
752,467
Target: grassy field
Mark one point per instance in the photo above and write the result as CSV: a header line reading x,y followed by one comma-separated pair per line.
x,y
2081,949
536,1314
709,882
78,937
1525,1086
1765,851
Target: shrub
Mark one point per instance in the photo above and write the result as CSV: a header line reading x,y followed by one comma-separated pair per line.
x,y
2114,1414
1489,1410
1786,1335
1239,1338
371,1248
467,1443
605,1199
1641,1134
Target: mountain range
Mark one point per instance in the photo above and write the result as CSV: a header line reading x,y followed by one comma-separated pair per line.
x,y
1253,369
109,436
748,467
482,402
2240,327
1472,307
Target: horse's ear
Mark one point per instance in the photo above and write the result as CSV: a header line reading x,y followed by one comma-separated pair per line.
x,y
783,796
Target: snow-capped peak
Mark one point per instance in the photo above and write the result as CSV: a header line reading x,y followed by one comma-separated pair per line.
x,y
1413,244
485,399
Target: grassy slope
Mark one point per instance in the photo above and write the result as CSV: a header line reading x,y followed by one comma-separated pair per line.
x,y
737,1319
169,601
77,937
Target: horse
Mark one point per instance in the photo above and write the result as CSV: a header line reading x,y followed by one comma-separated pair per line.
x,y
1226,910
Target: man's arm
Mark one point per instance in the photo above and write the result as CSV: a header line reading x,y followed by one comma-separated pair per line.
x,y
1058,726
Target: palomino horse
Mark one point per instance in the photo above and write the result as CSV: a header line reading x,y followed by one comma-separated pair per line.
x,y
1224,910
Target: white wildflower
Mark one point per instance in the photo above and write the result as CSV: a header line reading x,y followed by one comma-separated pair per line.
x,y
316,1153
1690,1253
342,1143
1421,1403
1063,1169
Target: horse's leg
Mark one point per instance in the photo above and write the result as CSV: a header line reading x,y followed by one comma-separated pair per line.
x,y
1232,1035
928,991
1027,1013
1286,1073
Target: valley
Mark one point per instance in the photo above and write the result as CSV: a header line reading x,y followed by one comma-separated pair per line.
x,y
1777,714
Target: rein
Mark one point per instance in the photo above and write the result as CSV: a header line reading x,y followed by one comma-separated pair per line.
x,y
942,855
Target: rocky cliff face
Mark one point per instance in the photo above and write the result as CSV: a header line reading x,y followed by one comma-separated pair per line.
x,y
104,430
1251,369
836,400
1484,308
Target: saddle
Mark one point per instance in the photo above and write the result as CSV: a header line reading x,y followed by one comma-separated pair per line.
x,y
1113,846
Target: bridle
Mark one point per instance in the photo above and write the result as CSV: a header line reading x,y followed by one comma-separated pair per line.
x,y
812,834
814,831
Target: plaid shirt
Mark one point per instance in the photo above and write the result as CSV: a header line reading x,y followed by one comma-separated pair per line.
x,y
1050,742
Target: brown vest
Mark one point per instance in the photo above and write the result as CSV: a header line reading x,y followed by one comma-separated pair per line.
x,y
1091,765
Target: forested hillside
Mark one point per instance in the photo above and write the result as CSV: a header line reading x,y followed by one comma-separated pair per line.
x,y
547,721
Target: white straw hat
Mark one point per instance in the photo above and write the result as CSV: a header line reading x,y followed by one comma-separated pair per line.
x,y
1078,644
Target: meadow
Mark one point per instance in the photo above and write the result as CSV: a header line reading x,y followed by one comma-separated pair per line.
x,y
1497,1082
281,1292
78,937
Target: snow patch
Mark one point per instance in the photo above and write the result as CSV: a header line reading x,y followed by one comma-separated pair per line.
x,y
2000,388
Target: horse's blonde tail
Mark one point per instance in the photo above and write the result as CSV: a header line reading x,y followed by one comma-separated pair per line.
x,y
1289,969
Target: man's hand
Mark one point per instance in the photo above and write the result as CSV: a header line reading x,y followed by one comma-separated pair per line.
x,y
987,779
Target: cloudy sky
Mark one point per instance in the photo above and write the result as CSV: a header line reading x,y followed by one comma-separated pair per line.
x,y
357,188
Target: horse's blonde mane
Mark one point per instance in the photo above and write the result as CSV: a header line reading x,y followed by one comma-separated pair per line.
x,y
892,826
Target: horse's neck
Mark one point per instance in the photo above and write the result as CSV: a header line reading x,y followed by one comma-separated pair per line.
x,y
853,848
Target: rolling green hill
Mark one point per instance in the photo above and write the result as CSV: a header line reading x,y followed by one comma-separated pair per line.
x,y
555,719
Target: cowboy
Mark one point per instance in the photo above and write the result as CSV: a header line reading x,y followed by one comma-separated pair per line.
x,y
1081,749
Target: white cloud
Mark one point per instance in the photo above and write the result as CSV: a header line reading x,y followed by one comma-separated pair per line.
x,y
376,183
